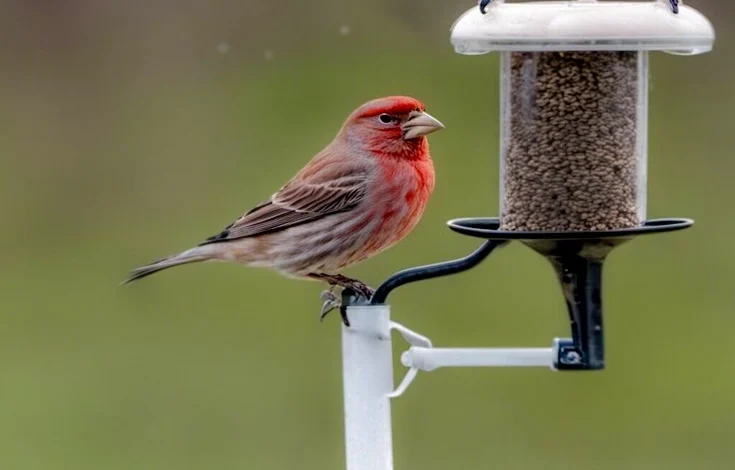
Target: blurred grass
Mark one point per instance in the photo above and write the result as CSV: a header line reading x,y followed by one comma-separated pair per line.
x,y
128,137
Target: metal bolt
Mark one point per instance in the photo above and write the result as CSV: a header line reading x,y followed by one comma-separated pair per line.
x,y
572,357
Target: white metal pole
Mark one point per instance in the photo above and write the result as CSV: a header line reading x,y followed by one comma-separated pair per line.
x,y
367,367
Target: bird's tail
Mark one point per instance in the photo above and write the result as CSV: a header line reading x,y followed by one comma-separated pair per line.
x,y
195,255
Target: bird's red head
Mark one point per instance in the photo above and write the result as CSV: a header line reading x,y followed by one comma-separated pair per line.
x,y
394,126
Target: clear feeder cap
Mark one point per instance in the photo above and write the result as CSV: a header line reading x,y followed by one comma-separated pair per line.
x,y
583,25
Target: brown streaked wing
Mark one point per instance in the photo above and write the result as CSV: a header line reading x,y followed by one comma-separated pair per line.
x,y
296,203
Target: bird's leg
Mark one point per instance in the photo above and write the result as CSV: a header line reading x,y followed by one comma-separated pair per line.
x,y
483,5
358,286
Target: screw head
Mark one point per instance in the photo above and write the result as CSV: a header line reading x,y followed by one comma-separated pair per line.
x,y
572,357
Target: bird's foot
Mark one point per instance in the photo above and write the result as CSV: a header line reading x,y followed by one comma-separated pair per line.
x,y
331,301
483,5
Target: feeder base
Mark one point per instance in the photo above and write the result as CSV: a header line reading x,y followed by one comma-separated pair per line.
x,y
577,258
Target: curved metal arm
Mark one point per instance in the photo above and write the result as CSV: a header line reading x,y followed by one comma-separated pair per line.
x,y
431,271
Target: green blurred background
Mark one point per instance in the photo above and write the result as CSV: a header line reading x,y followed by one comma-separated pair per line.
x,y
132,130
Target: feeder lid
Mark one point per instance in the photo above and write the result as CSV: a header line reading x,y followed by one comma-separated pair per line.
x,y
583,25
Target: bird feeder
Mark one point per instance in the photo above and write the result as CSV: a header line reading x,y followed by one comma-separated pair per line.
x,y
574,81
574,135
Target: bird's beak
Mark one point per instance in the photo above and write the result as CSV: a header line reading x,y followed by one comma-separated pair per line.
x,y
420,123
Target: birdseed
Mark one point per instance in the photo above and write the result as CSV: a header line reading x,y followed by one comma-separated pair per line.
x,y
570,161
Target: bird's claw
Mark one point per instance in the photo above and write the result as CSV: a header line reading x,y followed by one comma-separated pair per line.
x,y
343,314
331,301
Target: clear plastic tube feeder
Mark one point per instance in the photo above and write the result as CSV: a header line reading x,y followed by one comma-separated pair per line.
x,y
574,134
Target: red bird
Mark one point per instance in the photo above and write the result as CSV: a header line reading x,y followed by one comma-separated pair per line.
x,y
360,195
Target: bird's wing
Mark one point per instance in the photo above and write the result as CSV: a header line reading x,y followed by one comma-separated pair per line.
x,y
296,203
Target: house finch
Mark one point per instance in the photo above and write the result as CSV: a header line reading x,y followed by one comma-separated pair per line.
x,y
360,195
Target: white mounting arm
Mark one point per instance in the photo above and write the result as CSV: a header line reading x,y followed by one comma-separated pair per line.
x,y
423,356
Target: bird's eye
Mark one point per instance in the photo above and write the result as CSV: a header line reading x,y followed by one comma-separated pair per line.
x,y
386,118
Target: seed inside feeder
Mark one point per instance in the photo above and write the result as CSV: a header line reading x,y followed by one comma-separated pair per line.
x,y
570,158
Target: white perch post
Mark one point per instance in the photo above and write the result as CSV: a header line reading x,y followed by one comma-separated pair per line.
x,y
367,365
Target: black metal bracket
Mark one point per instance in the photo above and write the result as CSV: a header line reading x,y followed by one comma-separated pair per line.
x,y
674,6
577,259
483,5
432,271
